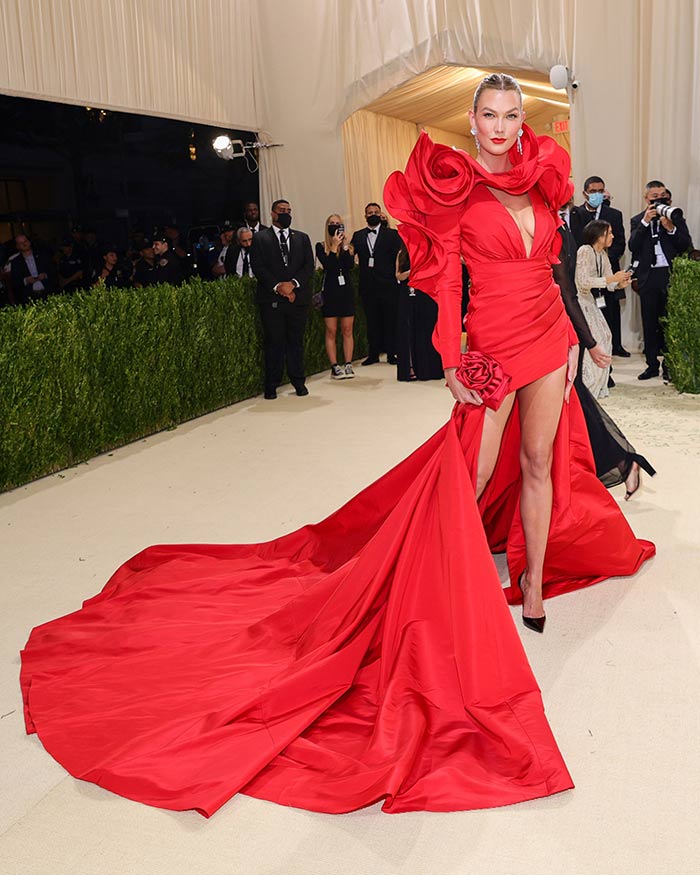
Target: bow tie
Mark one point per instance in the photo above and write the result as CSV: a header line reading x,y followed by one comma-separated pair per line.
x,y
373,230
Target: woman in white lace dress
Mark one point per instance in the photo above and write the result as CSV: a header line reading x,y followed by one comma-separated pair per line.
x,y
593,275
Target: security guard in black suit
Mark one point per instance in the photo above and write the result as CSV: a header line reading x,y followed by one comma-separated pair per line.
x,y
283,263
376,248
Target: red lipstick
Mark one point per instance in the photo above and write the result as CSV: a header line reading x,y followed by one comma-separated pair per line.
x,y
498,140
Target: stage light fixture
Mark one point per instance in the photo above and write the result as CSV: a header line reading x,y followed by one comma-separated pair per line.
x,y
228,149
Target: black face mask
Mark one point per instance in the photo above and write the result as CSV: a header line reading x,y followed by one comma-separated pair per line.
x,y
373,221
284,220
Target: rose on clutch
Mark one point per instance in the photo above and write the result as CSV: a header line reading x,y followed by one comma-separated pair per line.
x,y
483,374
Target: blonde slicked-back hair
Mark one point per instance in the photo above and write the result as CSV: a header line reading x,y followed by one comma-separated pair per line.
x,y
497,82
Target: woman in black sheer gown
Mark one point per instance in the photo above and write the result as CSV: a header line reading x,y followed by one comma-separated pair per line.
x,y
616,460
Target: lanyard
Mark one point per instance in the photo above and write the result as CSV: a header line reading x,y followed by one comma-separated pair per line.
x,y
373,235
599,262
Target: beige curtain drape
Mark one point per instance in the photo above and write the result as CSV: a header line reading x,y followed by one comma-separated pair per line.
x,y
176,58
449,138
375,145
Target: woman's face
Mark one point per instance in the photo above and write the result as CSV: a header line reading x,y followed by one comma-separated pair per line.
x,y
497,120
608,238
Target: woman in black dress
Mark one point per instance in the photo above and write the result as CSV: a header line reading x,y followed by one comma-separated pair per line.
x,y
417,358
336,257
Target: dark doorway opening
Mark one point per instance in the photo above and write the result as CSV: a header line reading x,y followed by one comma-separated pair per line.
x,y
63,166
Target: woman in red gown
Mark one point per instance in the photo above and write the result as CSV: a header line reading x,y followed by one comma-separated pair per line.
x,y
371,656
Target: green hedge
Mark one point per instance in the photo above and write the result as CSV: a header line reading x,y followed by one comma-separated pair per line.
x,y
682,325
85,373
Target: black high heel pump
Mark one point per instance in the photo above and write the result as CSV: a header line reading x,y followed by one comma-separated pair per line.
x,y
534,623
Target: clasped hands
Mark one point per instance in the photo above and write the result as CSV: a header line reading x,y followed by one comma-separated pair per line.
x,y
287,289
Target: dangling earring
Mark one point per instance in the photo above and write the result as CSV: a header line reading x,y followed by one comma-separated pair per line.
x,y
476,140
520,142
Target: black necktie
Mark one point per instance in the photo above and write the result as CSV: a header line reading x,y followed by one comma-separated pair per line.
x,y
284,248
245,263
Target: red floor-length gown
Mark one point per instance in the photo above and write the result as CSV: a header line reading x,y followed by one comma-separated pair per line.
x,y
370,656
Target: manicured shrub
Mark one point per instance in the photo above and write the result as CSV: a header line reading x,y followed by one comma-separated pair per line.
x,y
682,325
85,373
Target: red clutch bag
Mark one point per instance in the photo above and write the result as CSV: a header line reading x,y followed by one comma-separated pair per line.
x,y
484,375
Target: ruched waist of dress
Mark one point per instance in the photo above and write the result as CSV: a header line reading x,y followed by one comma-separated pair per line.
x,y
516,315
534,272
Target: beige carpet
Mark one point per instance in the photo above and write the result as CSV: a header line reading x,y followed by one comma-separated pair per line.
x,y
618,664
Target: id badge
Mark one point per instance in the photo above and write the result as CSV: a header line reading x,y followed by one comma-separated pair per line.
x,y
370,261
341,279
600,303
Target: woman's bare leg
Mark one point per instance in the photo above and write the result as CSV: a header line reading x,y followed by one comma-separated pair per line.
x,y
331,331
540,405
494,425
346,324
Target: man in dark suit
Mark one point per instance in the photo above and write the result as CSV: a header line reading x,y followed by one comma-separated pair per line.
x,y
654,242
283,263
596,205
376,248
237,261
218,257
251,217
33,274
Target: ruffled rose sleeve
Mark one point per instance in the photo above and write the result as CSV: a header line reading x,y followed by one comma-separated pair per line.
x,y
555,181
429,199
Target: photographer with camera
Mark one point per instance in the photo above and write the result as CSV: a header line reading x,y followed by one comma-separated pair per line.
x,y
657,236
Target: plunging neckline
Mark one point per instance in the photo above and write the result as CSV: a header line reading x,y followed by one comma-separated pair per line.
x,y
515,224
